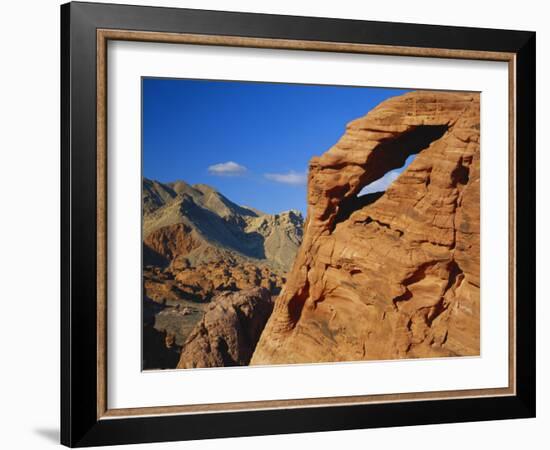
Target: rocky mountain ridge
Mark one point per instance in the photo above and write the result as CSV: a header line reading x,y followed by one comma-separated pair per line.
x,y
202,224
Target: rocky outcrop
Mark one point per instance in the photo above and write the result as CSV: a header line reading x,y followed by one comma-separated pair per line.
x,y
206,280
182,292
180,281
172,240
394,274
229,330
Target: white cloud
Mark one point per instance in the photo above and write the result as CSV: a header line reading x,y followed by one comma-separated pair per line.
x,y
381,184
291,177
227,168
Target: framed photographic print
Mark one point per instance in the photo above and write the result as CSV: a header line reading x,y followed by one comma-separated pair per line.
x,y
276,224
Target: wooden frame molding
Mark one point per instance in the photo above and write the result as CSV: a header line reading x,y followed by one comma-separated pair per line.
x,y
105,35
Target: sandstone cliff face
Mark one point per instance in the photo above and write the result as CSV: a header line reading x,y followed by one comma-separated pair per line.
x,y
392,275
229,330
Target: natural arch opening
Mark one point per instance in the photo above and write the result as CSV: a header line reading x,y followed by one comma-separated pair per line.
x,y
381,184
393,156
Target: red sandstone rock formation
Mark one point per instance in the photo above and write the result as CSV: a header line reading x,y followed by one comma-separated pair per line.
x,y
172,240
393,275
209,279
229,330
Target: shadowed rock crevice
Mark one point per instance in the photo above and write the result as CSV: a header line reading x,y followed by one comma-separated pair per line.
x,y
355,203
461,174
296,304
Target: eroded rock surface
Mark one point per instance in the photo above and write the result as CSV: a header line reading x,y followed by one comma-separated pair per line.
x,y
229,330
396,274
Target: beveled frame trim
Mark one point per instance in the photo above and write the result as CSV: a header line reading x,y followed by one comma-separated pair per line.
x,y
103,36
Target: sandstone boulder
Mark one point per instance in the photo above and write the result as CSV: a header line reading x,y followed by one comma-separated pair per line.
x,y
229,330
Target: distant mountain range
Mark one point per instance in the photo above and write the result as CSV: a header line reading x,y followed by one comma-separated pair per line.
x,y
198,222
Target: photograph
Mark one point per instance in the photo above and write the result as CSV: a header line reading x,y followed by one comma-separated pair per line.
x,y
299,223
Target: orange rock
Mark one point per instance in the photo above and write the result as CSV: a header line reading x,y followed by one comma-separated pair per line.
x,y
229,330
209,279
172,240
392,275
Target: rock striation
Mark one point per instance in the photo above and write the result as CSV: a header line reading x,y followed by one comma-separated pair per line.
x,y
393,274
229,330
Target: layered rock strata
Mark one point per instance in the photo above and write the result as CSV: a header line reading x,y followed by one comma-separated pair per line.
x,y
395,274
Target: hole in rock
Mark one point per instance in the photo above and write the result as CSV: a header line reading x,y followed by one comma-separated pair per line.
x,y
379,186
386,163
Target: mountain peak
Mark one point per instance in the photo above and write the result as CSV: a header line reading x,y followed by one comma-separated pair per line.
x,y
205,188
180,186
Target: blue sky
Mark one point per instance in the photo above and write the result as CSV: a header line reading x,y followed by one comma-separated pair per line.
x,y
251,141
